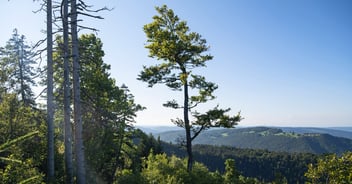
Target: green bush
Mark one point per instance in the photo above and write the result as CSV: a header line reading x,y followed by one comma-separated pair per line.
x,y
331,169
172,170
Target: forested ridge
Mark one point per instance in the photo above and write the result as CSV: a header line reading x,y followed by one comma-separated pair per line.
x,y
273,139
85,132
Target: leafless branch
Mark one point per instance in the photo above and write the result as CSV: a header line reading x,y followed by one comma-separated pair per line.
x,y
194,105
40,94
89,15
197,131
42,7
40,73
40,42
83,6
88,28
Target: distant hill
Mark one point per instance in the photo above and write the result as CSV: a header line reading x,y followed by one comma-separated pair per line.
x,y
158,129
345,132
303,140
347,129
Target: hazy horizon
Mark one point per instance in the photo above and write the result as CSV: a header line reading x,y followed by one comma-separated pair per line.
x,y
244,126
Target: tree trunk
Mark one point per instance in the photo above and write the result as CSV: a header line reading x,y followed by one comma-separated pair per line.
x,y
187,128
79,148
67,98
19,43
50,103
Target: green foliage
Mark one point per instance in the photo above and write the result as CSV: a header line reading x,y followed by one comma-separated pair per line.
x,y
15,170
231,175
331,169
21,172
17,120
214,118
17,71
128,176
8,144
169,39
108,111
22,125
173,170
159,168
264,165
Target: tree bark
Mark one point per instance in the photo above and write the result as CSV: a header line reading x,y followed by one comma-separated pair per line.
x,y
19,43
187,128
67,97
50,103
79,148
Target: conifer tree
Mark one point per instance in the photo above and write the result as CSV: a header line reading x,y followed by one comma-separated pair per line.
x,y
180,51
16,62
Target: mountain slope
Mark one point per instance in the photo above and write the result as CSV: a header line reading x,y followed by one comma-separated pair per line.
x,y
273,139
338,132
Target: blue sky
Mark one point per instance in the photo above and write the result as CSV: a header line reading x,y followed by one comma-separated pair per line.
x,y
281,63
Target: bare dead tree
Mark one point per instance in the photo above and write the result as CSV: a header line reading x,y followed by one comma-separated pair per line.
x,y
59,17
67,98
50,95
77,116
79,8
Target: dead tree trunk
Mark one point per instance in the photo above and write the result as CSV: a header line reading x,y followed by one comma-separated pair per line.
x,y
50,103
67,97
79,148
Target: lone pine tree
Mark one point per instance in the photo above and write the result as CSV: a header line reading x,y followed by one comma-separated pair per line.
x,y
170,41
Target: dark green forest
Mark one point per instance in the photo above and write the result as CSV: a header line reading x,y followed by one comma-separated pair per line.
x,y
264,165
85,132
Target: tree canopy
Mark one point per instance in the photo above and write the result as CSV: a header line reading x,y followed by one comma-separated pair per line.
x,y
170,40
17,68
